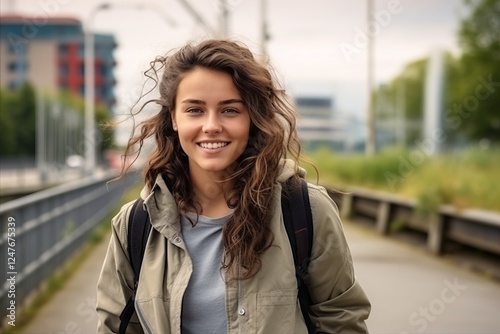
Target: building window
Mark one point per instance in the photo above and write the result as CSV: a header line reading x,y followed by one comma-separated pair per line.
x,y
63,49
17,65
63,69
101,69
12,66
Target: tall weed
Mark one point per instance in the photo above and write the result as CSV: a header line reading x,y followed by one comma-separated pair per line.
x,y
469,178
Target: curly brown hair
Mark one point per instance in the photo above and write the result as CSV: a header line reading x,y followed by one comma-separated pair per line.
x,y
247,234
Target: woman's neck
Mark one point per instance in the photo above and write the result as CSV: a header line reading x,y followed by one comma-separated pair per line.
x,y
209,191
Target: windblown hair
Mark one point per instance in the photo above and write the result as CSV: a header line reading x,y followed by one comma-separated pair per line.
x,y
247,235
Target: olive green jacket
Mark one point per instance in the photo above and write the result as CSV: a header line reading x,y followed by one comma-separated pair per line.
x,y
266,303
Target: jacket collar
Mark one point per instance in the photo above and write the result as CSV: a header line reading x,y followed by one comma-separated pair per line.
x,y
162,208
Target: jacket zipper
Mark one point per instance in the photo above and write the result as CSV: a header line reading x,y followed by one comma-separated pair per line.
x,y
142,319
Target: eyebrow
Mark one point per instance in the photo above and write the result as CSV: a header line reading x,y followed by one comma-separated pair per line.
x,y
221,103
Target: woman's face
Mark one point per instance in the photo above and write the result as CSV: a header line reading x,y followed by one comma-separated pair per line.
x,y
211,119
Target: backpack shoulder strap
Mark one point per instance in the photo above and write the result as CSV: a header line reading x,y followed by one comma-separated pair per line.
x,y
138,230
298,222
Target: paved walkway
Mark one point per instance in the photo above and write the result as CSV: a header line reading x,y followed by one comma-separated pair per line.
x,y
411,292
72,309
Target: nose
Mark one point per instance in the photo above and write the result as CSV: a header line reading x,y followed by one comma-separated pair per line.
x,y
212,123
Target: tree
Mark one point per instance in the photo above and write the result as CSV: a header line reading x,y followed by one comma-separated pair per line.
x,y
26,120
477,94
472,82
406,93
18,121
7,127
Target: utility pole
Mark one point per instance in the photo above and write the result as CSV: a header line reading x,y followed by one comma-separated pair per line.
x,y
401,112
41,135
264,33
433,101
89,137
224,19
370,110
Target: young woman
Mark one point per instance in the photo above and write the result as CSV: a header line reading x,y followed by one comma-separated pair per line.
x,y
218,259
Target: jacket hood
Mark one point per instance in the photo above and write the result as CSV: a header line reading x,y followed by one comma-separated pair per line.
x,y
288,169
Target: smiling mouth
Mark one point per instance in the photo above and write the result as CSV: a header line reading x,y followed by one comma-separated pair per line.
x,y
212,146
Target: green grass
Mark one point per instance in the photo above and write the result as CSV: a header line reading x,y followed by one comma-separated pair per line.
x,y
466,179
57,280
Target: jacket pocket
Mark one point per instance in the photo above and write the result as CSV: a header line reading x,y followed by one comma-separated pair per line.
x,y
277,311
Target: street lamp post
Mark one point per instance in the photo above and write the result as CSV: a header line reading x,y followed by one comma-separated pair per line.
x,y
90,139
224,19
89,63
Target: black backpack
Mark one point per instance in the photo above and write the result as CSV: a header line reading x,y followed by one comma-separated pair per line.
x,y
298,224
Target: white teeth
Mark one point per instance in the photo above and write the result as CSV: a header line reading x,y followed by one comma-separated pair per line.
x,y
213,145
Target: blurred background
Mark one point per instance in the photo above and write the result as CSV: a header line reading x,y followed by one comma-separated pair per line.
x,y
395,96
386,77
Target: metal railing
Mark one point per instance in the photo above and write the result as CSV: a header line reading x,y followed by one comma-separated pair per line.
x,y
40,232
479,229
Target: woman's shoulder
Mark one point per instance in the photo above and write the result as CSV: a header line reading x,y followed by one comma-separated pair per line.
x,y
320,198
324,210
120,221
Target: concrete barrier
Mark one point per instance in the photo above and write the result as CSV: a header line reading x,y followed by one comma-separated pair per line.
x,y
475,228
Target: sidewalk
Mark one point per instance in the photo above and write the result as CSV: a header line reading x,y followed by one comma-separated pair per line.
x,y
72,309
413,291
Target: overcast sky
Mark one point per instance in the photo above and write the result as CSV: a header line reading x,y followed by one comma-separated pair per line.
x,y
316,46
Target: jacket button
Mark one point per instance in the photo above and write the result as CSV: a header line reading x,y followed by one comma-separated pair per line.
x,y
177,240
241,311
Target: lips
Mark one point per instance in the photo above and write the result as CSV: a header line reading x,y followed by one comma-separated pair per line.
x,y
213,145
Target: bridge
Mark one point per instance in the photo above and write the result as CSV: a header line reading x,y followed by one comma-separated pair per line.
x,y
419,279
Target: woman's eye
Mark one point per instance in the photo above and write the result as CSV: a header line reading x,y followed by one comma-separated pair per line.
x,y
229,111
194,111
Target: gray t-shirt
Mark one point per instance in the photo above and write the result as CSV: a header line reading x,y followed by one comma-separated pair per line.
x,y
204,304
